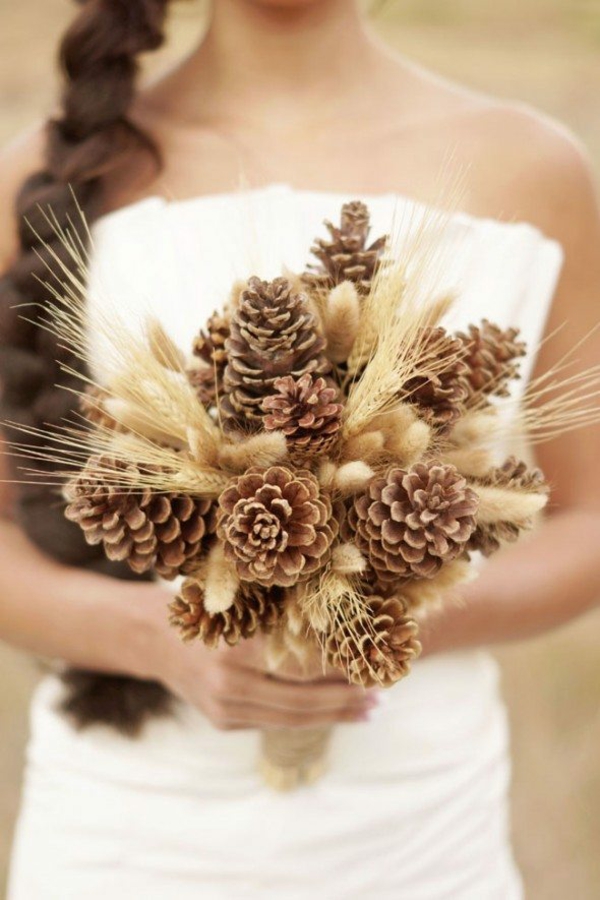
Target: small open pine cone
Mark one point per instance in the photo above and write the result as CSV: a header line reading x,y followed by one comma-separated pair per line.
x,y
346,256
276,526
254,608
305,410
209,344
273,333
166,532
491,356
208,384
376,647
440,394
409,523
93,409
513,473
209,347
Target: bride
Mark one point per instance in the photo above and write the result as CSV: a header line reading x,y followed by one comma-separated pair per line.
x,y
140,777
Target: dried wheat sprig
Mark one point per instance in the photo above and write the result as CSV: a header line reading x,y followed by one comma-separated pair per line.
x,y
400,326
334,602
323,595
546,411
160,468
164,350
379,389
146,371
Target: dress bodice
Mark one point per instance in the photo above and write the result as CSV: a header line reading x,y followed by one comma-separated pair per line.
x,y
178,260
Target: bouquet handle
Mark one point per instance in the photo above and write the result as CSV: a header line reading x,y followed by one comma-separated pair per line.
x,y
291,757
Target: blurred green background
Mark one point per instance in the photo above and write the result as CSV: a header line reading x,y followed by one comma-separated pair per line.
x,y
546,52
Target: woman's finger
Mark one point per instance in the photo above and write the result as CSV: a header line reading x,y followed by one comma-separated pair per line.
x,y
233,716
235,684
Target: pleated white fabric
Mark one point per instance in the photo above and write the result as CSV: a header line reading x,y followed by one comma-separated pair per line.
x,y
414,805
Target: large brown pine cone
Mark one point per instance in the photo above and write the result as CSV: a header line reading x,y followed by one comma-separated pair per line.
x,y
273,333
440,395
150,531
275,525
346,256
254,608
411,523
491,355
305,410
376,647
513,473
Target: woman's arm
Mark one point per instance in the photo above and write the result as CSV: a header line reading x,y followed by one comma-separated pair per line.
x,y
555,574
46,608
541,583
57,612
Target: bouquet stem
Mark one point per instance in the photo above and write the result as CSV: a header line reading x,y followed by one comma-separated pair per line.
x,y
291,757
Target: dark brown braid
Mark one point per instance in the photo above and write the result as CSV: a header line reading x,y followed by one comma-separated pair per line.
x,y
90,139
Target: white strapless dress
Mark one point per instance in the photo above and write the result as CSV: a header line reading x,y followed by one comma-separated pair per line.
x,y
414,805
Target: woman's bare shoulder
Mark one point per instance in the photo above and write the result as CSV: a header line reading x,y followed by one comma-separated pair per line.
x,y
19,159
527,166
517,162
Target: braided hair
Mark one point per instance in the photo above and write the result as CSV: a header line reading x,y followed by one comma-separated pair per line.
x,y
91,138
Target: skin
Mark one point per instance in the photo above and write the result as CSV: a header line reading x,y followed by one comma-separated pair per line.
x,y
273,93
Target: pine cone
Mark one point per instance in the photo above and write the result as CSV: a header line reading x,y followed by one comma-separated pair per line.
x,y
273,333
207,383
346,256
304,409
440,395
209,347
513,473
375,648
491,356
92,408
253,609
275,525
411,523
162,532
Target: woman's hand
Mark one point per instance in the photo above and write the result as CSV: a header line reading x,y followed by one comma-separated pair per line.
x,y
233,688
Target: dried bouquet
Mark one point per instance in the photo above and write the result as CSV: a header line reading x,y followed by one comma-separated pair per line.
x,y
319,469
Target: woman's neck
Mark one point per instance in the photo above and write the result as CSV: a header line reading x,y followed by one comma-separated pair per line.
x,y
274,63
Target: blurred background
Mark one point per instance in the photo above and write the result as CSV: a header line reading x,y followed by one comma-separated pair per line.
x,y
545,52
